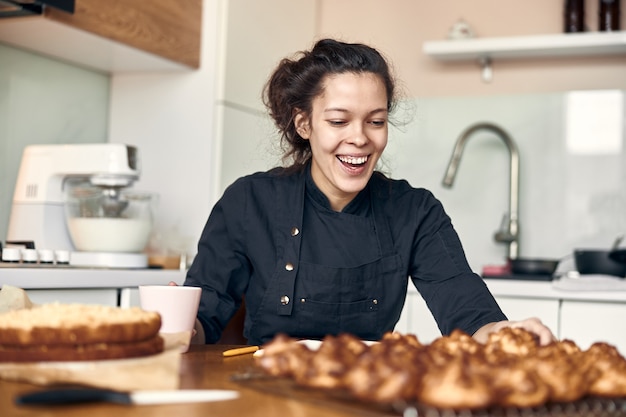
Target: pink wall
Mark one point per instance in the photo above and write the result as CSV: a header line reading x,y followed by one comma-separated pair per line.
x,y
399,28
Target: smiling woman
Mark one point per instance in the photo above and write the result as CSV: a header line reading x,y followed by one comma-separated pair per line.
x,y
347,132
326,244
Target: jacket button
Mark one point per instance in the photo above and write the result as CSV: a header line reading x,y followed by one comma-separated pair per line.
x,y
295,231
374,301
289,266
284,300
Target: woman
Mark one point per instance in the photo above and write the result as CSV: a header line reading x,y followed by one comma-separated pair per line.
x,y
327,244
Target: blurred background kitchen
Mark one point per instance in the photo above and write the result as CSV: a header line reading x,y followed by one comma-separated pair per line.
x,y
200,125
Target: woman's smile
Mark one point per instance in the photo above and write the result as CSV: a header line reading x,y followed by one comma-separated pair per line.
x,y
354,165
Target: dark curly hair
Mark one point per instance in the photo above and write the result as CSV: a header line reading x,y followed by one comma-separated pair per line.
x,y
296,82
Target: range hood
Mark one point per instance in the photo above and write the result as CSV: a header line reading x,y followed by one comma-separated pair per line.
x,y
15,8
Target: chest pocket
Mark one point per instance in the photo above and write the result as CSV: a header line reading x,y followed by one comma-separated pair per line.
x,y
352,300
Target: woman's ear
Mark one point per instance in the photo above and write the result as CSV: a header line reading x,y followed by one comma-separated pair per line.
x,y
301,122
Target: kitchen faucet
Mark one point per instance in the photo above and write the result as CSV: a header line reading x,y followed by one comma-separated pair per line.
x,y
509,230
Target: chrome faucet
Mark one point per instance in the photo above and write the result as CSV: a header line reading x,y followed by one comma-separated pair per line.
x,y
509,230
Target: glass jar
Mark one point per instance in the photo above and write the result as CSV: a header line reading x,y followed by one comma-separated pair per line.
x,y
609,15
574,16
100,220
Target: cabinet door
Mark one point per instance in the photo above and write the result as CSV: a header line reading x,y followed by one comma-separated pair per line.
x,y
105,296
522,308
129,297
587,322
166,28
417,319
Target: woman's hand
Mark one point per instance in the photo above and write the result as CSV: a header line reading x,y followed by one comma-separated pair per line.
x,y
532,324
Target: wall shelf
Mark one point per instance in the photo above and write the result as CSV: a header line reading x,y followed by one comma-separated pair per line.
x,y
486,50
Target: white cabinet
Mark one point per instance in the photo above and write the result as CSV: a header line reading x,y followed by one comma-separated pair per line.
x,y
545,310
113,287
582,316
129,297
587,322
104,296
417,319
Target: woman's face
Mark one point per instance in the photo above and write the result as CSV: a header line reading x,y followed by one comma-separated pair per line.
x,y
347,130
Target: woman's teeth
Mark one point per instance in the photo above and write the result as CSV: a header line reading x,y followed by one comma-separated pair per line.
x,y
353,160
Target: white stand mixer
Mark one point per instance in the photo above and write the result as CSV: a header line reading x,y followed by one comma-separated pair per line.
x,y
38,212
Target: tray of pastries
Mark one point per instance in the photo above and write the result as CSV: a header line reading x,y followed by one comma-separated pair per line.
x,y
510,375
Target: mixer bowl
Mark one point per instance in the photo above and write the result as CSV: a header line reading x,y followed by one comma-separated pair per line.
x,y
105,220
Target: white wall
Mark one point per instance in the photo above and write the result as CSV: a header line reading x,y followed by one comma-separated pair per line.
x,y
399,28
257,36
171,118
569,198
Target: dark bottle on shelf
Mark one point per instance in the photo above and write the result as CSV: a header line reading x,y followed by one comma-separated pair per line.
x,y
574,16
609,15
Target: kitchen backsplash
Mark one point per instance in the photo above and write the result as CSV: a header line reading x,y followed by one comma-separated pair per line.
x,y
44,101
572,170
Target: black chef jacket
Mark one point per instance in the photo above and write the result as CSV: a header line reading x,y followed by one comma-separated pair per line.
x,y
308,271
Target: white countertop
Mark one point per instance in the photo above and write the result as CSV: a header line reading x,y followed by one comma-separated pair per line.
x,y
60,277
548,290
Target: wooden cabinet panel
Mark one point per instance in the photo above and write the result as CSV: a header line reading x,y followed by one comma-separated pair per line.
x,y
168,28
114,35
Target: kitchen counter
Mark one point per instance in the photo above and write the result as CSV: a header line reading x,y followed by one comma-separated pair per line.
x,y
548,290
60,277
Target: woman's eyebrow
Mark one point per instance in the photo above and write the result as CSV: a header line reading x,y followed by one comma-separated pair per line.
x,y
340,109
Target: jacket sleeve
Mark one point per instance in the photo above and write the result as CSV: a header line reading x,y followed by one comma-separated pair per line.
x,y
457,297
220,267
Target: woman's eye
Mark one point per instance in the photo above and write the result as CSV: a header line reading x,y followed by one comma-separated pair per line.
x,y
337,122
378,122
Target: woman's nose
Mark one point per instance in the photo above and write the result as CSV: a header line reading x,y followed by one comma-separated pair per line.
x,y
358,136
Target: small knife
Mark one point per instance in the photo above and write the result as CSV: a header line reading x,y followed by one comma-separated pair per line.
x,y
86,395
